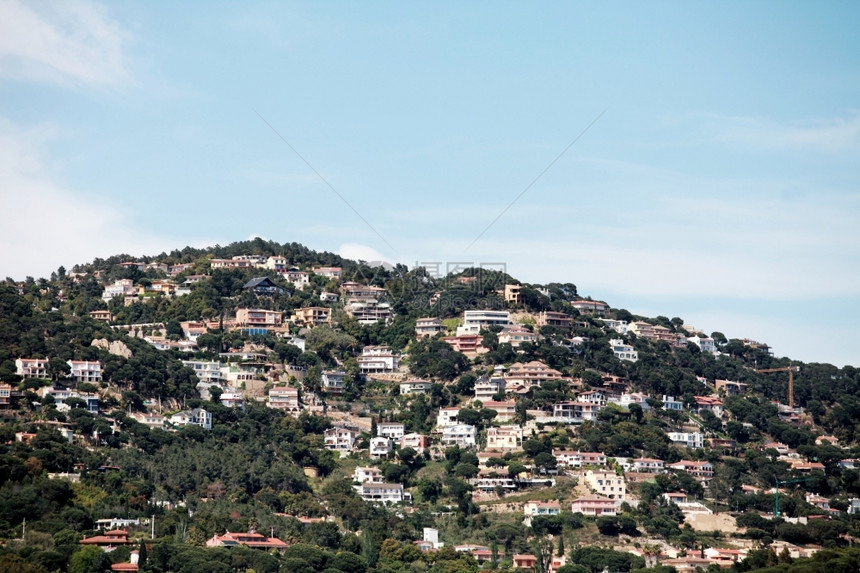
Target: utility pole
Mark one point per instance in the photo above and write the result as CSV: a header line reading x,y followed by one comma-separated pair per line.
x,y
152,535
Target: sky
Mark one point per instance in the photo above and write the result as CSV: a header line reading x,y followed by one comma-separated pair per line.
x,y
691,159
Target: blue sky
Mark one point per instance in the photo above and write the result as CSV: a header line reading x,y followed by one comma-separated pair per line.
x,y
721,185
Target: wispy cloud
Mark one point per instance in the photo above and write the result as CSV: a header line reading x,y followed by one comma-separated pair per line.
x,y
49,224
829,134
61,42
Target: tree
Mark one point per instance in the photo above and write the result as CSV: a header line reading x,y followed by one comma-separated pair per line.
x,y
87,559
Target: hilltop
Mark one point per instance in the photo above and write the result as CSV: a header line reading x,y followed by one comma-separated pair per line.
x,y
373,417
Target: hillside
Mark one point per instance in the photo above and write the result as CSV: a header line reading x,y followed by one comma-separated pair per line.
x,y
323,414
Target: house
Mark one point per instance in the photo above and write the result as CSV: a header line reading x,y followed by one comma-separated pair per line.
x,y
626,399
208,372
356,291
806,467
574,412
505,438
328,297
595,307
393,430
380,447
367,475
232,399
258,317
552,318
153,421
606,483
340,439
577,459
251,539
524,561
702,471
382,492
368,311
670,403
447,417
31,367
619,326
688,439
474,321
648,466
676,497
329,272
276,263
594,506
415,387
597,397
710,403
415,441
109,539
505,411
296,277
103,315
375,359
312,316
512,293
85,370
428,327
332,381
487,388
5,395
285,398
532,373
489,480
623,351
688,564
468,344
234,263
131,565
657,333
705,344
541,508
731,388
516,335
122,287
195,417
462,435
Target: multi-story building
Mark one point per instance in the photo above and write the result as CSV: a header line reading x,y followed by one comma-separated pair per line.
x,y
670,403
234,263
206,371
606,483
258,317
709,403
731,388
702,471
356,291
577,459
415,387
688,439
428,327
340,439
553,318
619,326
393,430
623,351
705,344
196,417
367,475
487,388
5,395
31,367
505,411
595,307
332,381
489,480
312,316
375,359
447,417
468,344
85,370
657,332
462,435
648,466
285,398
368,311
594,506
474,321
505,438
513,293
415,441
380,447
382,492
575,412
517,335
329,272
122,287
531,373
296,277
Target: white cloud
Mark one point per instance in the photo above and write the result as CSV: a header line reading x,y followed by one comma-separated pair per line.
x,y
61,42
358,252
832,134
48,224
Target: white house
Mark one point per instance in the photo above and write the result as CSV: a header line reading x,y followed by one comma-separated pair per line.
x,y
474,321
381,492
505,438
606,483
689,439
463,435
367,475
85,370
415,387
340,439
375,359
380,447
623,351
197,417
393,430
704,344
332,381
447,417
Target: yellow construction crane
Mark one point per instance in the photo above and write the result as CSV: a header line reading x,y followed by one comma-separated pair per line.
x,y
791,370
